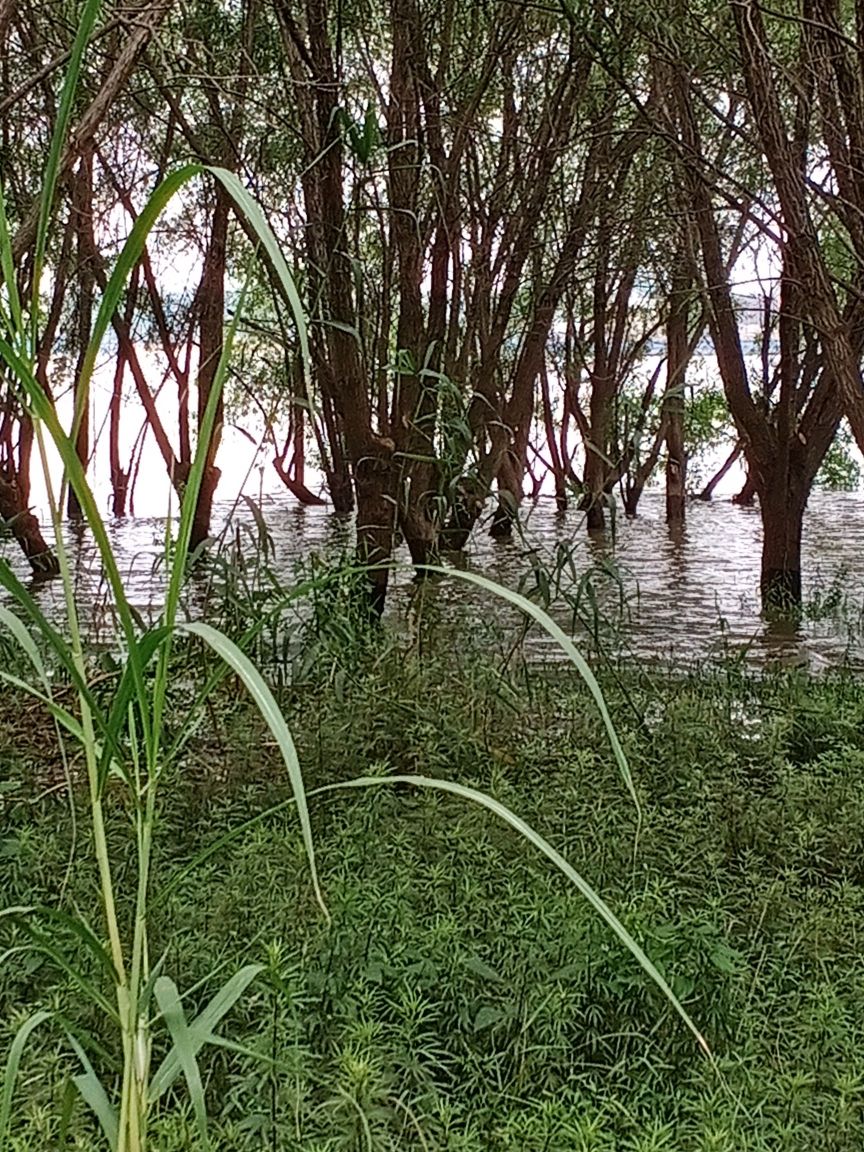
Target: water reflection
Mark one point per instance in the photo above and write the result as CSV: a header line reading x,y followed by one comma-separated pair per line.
x,y
684,593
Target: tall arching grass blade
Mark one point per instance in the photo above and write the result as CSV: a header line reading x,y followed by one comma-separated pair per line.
x,y
13,1062
570,650
594,899
269,709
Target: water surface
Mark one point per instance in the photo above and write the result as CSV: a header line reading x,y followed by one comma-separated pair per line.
x,y
686,595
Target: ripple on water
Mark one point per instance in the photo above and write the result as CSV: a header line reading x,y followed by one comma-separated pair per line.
x,y
688,595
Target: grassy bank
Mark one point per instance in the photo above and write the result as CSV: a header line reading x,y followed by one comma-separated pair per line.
x,y
463,997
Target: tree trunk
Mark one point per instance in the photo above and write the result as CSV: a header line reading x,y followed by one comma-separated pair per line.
x,y
593,503
211,321
558,470
376,521
677,355
119,476
510,494
636,485
27,531
708,491
782,510
747,495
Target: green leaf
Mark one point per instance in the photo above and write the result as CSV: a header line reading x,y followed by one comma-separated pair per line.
x,y
45,944
66,719
571,651
94,1094
269,709
200,1031
62,120
480,968
489,1015
252,211
16,626
168,999
13,1062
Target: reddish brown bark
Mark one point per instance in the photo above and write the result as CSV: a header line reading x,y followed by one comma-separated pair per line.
x,y
26,529
784,446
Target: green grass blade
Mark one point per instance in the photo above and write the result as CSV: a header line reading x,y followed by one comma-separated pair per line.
x,y
254,683
252,211
86,24
44,944
93,1093
593,898
168,999
61,649
66,719
58,644
13,1063
15,625
79,928
570,650
202,1027
15,320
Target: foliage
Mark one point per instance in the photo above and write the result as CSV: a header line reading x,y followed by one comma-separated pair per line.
x,y
841,468
460,998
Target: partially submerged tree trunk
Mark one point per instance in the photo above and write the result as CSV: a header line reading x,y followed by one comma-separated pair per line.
x,y
786,443
782,506
677,357
26,529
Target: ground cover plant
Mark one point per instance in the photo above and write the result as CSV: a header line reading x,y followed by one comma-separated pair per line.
x,y
461,997
116,738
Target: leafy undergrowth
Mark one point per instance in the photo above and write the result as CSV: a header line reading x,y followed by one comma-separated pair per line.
x,y
463,998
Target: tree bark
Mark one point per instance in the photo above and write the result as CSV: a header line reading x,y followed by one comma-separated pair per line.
x,y
782,508
678,354
27,531
211,317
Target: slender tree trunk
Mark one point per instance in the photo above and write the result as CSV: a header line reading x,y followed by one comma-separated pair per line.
x,y
708,491
558,470
119,477
677,353
211,321
643,473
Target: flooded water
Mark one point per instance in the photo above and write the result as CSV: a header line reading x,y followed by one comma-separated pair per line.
x,y
643,590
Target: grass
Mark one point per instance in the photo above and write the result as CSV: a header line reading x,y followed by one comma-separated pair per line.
x,y
461,997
